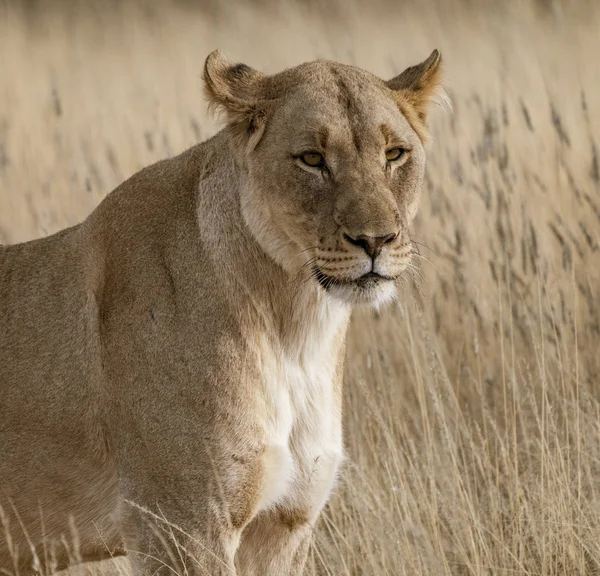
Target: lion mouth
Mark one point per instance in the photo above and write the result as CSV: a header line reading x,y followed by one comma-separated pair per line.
x,y
366,281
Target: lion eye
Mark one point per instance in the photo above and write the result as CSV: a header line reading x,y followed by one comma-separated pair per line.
x,y
313,159
394,154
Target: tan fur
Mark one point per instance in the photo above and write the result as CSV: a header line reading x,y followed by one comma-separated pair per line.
x,y
179,354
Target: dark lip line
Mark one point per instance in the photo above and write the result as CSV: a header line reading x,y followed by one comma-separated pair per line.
x,y
328,281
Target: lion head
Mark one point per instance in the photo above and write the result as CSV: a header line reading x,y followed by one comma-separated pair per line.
x,y
331,160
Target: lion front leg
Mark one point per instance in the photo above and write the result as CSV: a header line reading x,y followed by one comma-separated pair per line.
x,y
165,541
188,520
275,543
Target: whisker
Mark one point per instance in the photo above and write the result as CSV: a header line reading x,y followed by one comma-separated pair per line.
x,y
428,261
307,249
420,243
415,276
309,262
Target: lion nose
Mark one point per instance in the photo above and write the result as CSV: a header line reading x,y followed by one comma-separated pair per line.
x,y
372,245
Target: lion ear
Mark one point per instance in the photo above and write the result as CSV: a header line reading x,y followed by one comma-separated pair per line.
x,y
235,89
420,85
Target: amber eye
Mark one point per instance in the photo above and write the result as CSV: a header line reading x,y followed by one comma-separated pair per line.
x,y
313,159
394,154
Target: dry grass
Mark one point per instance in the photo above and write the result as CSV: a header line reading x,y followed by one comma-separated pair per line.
x,y
472,410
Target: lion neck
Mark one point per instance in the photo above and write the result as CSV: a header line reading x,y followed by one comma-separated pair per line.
x,y
291,310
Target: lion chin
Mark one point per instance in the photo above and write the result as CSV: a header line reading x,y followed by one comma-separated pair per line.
x,y
370,290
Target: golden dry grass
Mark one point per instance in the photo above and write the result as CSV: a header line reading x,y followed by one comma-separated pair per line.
x,y
472,410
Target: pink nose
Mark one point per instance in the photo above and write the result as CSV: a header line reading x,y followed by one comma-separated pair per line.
x,y
372,245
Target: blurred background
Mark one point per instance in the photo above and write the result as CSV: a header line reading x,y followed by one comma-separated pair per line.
x,y
472,408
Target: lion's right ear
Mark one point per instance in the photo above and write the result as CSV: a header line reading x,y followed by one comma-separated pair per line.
x,y
235,89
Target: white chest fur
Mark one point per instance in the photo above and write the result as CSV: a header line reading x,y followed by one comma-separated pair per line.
x,y
302,403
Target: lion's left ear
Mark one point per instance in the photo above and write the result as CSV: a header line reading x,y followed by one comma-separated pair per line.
x,y
420,85
236,89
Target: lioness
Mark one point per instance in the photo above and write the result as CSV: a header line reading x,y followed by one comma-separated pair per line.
x,y
171,368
